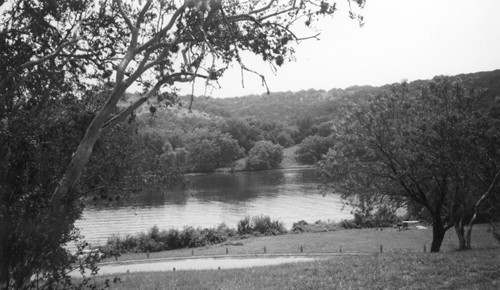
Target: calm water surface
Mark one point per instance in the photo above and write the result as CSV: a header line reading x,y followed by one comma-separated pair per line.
x,y
210,199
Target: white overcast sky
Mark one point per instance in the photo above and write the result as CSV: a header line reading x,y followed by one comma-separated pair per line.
x,y
401,39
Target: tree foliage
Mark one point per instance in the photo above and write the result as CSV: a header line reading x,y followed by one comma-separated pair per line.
x,y
265,155
52,52
211,149
312,148
436,147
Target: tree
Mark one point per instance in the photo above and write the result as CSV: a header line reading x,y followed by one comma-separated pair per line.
x,y
127,161
436,148
264,155
312,148
242,131
211,149
52,50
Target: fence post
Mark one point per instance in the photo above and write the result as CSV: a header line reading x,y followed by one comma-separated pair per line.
x,y
381,249
227,251
340,249
265,250
301,249
425,249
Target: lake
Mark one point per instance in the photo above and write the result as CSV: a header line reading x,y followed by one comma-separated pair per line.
x,y
210,199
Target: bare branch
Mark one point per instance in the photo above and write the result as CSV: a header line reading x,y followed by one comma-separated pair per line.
x,y
142,13
242,17
277,13
167,27
124,15
308,37
263,8
262,77
125,113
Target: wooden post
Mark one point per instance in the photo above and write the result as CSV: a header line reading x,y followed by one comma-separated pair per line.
x,y
425,249
340,249
192,252
227,251
265,249
147,253
301,249
381,249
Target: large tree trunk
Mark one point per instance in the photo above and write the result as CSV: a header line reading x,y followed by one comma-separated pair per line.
x,y
438,232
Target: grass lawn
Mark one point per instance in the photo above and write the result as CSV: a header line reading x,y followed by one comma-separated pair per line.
x,y
351,241
478,269
403,264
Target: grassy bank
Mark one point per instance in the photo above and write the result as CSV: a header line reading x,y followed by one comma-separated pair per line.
x,y
349,241
288,162
478,269
403,263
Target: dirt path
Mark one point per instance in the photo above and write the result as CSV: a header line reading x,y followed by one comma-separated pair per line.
x,y
208,262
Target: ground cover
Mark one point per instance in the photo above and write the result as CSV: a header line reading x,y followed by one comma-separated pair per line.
x,y
345,241
477,269
402,263
288,162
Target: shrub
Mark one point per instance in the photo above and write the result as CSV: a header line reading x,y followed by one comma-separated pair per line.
x,y
155,240
244,226
154,232
260,225
173,239
188,237
264,155
265,226
312,148
318,226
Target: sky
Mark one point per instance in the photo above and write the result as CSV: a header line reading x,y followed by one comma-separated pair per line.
x,y
400,40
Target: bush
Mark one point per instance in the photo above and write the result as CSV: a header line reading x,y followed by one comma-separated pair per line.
x,y
260,225
244,226
318,226
264,155
380,219
312,148
300,226
188,238
265,226
155,240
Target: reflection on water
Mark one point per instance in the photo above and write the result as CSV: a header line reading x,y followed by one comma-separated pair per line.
x,y
210,199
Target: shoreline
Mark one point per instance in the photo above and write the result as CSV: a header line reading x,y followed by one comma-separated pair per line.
x,y
343,241
227,170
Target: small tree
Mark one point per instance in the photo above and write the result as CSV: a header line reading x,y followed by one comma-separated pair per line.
x,y
312,148
437,148
211,149
265,155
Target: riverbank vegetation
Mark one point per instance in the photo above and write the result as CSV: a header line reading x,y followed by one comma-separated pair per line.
x,y
155,240
476,269
403,263
434,150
